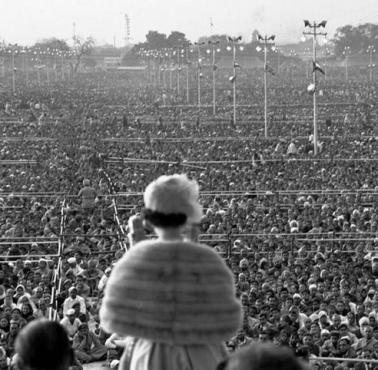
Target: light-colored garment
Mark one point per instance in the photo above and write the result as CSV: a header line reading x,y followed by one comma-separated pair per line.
x,y
69,302
175,292
88,196
71,328
148,355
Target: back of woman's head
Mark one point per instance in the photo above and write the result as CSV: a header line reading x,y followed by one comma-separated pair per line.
x,y
43,345
262,356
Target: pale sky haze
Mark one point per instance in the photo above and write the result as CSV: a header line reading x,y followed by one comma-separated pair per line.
x,y
27,21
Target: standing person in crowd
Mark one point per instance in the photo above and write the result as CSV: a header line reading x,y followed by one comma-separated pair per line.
x,y
88,196
175,297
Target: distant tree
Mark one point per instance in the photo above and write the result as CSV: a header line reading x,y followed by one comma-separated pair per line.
x,y
156,40
53,43
222,38
176,38
356,38
81,48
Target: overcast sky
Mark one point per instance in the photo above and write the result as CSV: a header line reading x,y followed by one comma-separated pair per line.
x,y
27,21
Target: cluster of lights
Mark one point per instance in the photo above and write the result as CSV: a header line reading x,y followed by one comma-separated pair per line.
x,y
36,51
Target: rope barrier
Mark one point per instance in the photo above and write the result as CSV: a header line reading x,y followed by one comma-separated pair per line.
x,y
33,194
17,162
261,106
168,140
113,160
365,191
343,359
29,256
33,239
89,235
29,242
292,234
17,139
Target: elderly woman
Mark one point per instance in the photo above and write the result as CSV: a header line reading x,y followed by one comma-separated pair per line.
x,y
173,297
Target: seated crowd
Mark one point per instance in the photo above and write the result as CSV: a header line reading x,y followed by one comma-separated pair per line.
x,y
299,235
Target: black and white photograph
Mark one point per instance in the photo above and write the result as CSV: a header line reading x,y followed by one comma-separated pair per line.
x,y
188,185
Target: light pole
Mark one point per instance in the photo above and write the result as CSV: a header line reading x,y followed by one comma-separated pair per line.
x,y
178,69
154,67
292,54
186,53
234,41
199,73
327,52
307,52
214,68
12,52
2,63
371,50
314,32
277,51
148,66
346,52
266,42
170,66
62,64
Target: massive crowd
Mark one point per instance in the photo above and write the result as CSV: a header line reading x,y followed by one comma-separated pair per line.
x,y
298,232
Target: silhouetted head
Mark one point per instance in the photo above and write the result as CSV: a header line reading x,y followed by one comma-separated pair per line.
x,y
43,345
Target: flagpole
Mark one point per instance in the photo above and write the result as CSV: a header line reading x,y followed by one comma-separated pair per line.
x,y
214,67
346,53
186,48
234,84
371,50
234,41
13,72
214,108
265,94
314,33
170,69
199,74
266,42
314,98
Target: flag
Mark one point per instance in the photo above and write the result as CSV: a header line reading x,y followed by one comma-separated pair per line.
x,y
316,67
215,67
236,65
269,69
232,79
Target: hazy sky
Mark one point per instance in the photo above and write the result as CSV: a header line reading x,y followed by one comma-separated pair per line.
x,y
27,21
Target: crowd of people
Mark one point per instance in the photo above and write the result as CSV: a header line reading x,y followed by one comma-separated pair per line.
x,y
299,233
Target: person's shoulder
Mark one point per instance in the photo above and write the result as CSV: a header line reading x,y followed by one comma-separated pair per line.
x,y
182,250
